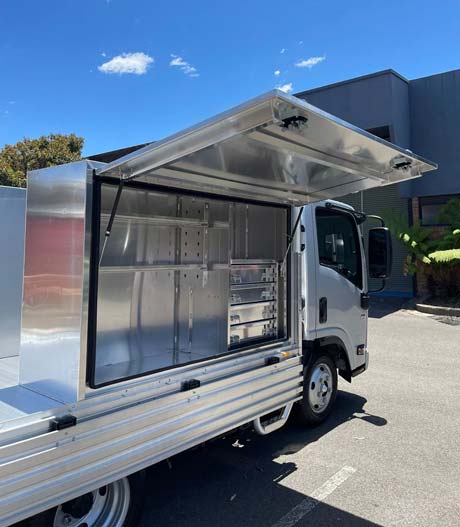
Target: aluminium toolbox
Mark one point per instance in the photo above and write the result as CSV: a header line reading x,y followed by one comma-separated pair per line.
x,y
253,301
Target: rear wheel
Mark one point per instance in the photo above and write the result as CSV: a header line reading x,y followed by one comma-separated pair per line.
x,y
118,504
320,390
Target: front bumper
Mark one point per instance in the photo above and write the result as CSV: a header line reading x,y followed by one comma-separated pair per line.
x,y
363,367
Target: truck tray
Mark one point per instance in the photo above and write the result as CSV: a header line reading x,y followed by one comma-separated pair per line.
x,y
242,313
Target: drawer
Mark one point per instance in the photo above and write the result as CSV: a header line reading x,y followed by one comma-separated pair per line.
x,y
249,274
252,331
242,313
242,294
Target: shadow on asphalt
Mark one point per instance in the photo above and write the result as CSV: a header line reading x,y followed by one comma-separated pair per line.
x,y
237,480
381,307
349,406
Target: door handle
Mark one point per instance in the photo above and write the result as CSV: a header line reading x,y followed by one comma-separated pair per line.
x,y
322,310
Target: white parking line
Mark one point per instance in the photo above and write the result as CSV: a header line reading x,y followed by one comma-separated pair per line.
x,y
318,495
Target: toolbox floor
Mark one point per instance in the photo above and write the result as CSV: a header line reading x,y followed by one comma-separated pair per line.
x,y
17,401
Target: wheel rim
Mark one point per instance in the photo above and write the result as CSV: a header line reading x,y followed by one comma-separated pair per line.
x,y
104,507
320,388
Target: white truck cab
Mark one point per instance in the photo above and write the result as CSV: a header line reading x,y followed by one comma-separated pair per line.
x,y
201,283
336,297
337,256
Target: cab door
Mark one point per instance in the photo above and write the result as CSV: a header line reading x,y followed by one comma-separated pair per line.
x,y
340,280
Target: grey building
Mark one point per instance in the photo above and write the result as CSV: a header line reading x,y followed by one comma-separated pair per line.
x,y
420,114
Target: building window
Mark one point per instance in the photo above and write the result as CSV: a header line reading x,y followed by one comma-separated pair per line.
x,y
430,207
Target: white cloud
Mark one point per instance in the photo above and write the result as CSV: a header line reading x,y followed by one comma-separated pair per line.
x,y
185,66
135,63
277,73
310,62
287,88
283,50
103,54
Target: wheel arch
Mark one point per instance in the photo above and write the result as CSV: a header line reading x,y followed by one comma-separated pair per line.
x,y
332,346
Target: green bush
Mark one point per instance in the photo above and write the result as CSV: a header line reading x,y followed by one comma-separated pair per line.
x,y
438,258
444,273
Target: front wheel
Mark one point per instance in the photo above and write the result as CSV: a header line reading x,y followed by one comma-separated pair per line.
x,y
118,504
320,390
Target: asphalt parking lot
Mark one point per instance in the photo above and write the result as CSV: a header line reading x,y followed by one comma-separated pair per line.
x,y
389,455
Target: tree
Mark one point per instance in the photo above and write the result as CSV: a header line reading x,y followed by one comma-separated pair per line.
x,y
32,154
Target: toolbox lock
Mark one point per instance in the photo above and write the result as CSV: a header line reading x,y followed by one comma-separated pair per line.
x,y
190,384
274,359
60,423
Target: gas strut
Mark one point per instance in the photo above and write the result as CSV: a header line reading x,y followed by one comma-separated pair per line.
x,y
108,230
291,237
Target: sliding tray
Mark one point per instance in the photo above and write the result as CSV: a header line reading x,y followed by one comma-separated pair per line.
x,y
244,333
252,273
243,313
253,309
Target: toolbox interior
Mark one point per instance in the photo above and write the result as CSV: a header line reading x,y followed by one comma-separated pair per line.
x,y
182,278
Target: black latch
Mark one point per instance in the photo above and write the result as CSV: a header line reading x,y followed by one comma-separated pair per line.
x,y
60,423
272,360
294,121
365,301
401,163
190,384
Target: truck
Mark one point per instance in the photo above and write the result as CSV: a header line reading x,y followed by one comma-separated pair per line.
x,y
202,283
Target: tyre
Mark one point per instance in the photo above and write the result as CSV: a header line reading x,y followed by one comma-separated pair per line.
x,y
320,391
118,504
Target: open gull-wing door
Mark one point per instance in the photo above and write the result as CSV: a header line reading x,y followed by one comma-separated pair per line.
x,y
274,147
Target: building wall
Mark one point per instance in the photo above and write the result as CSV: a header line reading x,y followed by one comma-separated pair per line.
x,y
366,102
435,124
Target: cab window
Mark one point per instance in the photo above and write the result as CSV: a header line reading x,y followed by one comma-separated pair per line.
x,y
338,244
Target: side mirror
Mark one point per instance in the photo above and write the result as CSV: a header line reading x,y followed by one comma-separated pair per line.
x,y
380,253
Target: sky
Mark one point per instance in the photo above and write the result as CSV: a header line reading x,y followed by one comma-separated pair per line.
x,y
125,72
